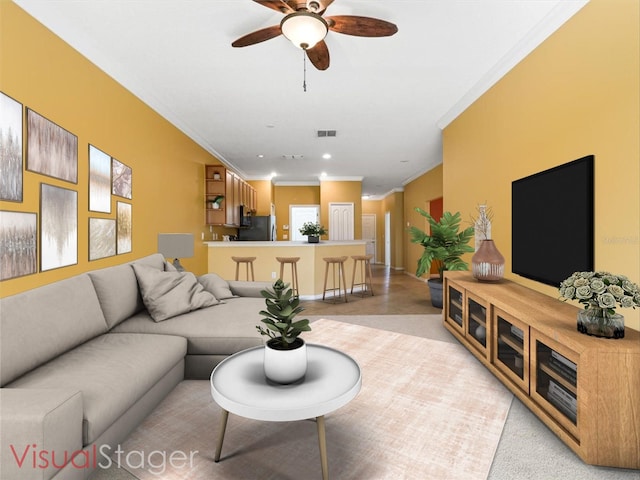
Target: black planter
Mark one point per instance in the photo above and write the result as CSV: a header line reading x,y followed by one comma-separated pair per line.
x,y
313,239
435,291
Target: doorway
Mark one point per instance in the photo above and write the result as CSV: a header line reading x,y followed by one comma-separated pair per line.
x,y
298,215
369,234
435,208
387,239
341,221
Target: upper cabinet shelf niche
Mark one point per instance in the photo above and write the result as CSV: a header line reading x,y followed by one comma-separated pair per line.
x,y
221,182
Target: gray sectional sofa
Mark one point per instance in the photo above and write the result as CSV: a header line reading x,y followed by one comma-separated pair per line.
x,y
82,361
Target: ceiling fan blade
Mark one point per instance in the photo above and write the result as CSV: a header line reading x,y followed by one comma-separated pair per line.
x,y
278,5
361,26
258,36
319,55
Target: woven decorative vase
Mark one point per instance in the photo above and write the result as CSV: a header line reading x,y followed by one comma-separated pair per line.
x,y
487,263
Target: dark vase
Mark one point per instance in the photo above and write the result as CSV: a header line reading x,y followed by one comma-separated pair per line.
x,y
600,323
313,239
487,263
435,291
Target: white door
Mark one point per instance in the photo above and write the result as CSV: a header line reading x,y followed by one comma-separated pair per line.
x,y
387,239
341,221
369,233
300,214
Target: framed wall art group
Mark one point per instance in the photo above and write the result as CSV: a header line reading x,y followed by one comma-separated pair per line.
x,y
50,236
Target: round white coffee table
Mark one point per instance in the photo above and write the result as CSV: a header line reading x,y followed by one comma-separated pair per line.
x,y
239,386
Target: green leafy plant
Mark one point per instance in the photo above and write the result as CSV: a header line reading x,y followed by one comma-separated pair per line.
x,y
282,307
444,246
312,229
215,203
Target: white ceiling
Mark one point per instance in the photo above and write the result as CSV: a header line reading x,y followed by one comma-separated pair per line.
x,y
388,98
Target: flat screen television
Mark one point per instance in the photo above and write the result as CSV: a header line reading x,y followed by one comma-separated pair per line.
x,y
552,222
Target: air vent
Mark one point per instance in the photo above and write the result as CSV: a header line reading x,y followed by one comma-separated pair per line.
x,y
326,133
293,157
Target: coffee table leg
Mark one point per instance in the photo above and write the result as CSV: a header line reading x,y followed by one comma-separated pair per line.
x,y
225,417
322,440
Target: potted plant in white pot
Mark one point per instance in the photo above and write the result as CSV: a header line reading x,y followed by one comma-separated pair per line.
x,y
444,246
285,353
215,203
312,231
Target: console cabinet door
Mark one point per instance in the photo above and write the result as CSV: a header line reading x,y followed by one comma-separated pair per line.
x,y
478,323
510,348
455,314
554,380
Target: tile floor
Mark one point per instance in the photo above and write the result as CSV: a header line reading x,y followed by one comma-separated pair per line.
x,y
395,293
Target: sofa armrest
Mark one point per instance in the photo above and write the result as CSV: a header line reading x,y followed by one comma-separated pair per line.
x,y
242,288
39,427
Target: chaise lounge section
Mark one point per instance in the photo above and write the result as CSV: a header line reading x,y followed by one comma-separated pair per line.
x,y
83,361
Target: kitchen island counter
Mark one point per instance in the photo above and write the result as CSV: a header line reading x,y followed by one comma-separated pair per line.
x,y
311,266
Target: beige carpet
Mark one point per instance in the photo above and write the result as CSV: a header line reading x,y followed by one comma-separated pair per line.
x,y
426,410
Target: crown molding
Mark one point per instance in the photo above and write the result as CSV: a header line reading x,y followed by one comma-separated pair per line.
x,y
420,173
296,184
550,23
341,179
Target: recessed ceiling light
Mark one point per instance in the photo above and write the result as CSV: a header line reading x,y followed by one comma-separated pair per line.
x,y
365,196
326,156
323,174
260,155
273,174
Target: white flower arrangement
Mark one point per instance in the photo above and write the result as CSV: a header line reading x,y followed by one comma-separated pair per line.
x,y
311,228
602,290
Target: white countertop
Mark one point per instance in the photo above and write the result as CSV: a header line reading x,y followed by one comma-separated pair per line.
x,y
304,243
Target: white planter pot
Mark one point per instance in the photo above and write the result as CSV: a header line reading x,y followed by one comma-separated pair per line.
x,y
285,366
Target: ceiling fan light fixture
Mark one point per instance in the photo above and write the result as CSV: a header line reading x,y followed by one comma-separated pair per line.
x,y
304,29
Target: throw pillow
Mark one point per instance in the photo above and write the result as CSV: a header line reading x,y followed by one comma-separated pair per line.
x,y
216,285
167,294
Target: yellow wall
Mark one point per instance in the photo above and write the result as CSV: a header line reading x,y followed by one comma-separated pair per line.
x,y
264,192
285,196
419,193
576,94
45,74
345,192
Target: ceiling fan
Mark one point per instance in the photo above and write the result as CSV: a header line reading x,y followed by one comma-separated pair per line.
x,y
306,28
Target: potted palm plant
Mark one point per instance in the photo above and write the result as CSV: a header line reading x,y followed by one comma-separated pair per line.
x,y
312,231
285,353
444,246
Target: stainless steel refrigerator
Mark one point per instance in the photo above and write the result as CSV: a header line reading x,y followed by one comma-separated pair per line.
x,y
262,228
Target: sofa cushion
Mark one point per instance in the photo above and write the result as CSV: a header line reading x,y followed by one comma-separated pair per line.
x,y
117,288
167,294
51,419
113,371
221,330
216,285
45,322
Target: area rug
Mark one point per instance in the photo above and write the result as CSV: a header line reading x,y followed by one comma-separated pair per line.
x,y
427,410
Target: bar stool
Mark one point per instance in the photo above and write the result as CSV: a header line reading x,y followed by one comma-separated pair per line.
x,y
248,261
293,261
333,261
365,273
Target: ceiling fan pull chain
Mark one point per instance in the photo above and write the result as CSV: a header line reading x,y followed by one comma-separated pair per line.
x,y
304,70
